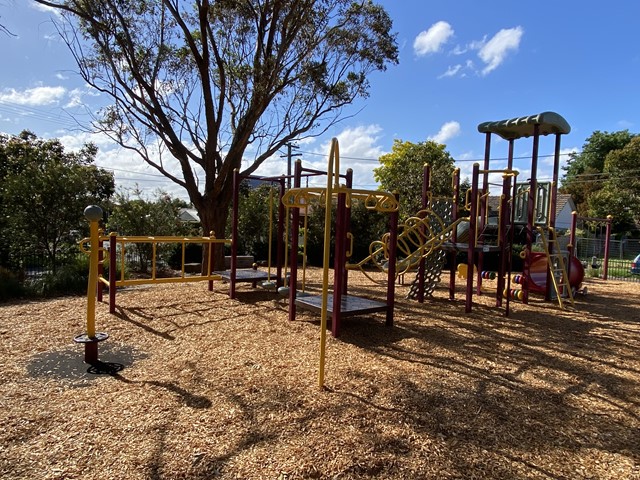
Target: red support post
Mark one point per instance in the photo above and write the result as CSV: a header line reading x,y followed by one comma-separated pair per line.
x,y
338,264
234,234
295,228
454,233
347,228
471,247
100,285
531,203
282,242
391,279
605,264
113,261
426,182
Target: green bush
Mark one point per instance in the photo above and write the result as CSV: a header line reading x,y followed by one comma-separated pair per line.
x,y
10,286
70,279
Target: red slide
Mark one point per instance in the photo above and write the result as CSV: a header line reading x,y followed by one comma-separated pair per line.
x,y
538,273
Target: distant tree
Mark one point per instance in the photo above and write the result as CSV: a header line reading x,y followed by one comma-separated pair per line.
x,y
134,215
402,171
257,214
583,175
216,84
620,193
44,191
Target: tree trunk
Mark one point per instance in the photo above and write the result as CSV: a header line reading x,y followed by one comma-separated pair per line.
x,y
213,216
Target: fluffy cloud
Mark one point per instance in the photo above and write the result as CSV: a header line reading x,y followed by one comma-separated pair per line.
x,y
494,52
34,97
432,40
447,131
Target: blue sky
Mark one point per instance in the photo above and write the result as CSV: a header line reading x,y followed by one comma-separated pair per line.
x,y
461,63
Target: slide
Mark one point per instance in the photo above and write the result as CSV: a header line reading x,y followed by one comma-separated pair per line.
x,y
539,273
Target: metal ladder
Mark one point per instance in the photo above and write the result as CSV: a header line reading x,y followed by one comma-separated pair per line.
x,y
555,260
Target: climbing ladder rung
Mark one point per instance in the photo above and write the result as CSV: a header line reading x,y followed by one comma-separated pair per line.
x,y
555,261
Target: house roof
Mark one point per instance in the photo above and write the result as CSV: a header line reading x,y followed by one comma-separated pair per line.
x,y
561,202
188,215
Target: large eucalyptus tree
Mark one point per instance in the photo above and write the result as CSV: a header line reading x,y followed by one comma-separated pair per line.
x,y
220,85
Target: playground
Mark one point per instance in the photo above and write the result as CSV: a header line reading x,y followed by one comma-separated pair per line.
x,y
214,387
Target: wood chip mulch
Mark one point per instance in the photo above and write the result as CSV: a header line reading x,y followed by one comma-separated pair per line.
x,y
218,388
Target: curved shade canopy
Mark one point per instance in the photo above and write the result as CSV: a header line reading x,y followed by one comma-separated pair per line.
x,y
514,128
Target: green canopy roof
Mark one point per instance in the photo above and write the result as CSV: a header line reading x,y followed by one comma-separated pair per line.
x,y
549,122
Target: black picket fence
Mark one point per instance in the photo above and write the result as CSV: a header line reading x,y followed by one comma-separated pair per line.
x,y
29,265
622,253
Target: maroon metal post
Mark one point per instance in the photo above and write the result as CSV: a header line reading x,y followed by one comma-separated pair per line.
x,y
347,229
295,228
554,183
471,247
531,203
482,207
100,285
454,233
113,242
283,242
338,264
504,225
572,239
426,182
605,265
391,278
234,234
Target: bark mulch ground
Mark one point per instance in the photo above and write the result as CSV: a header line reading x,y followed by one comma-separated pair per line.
x,y
220,388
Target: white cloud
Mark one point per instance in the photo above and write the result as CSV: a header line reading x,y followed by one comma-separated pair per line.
x,y
359,150
447,131
494,52
432,40
36,96
46,9
451,71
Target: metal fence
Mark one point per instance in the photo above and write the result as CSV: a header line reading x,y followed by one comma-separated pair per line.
x,y
591,252
34,264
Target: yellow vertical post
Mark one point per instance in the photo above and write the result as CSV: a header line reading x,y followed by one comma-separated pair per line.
x,y
90,339
333,156
92,213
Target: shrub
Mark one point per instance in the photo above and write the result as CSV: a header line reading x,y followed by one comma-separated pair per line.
x,y
70,279
10,286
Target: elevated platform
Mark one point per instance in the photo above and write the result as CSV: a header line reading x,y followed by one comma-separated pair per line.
x,y
458,247
350,305
248,275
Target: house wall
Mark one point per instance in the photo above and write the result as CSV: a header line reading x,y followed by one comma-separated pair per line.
x,y
563,220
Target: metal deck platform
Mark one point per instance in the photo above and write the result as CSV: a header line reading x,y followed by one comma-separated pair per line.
x,y
246,275
349,305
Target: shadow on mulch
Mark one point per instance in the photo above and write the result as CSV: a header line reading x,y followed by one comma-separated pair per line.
x,y
68,364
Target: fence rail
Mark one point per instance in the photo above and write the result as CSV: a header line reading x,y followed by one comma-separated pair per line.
x,y
590,251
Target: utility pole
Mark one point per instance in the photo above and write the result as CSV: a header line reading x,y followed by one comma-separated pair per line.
x,y
289,156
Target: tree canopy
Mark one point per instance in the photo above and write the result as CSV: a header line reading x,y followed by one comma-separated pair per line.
x,y
215,85
44,191
620,192
402,171
133,214
584,171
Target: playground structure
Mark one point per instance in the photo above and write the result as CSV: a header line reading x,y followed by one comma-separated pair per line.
x,y
339,303
254,275
419,245
533,207
117,250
